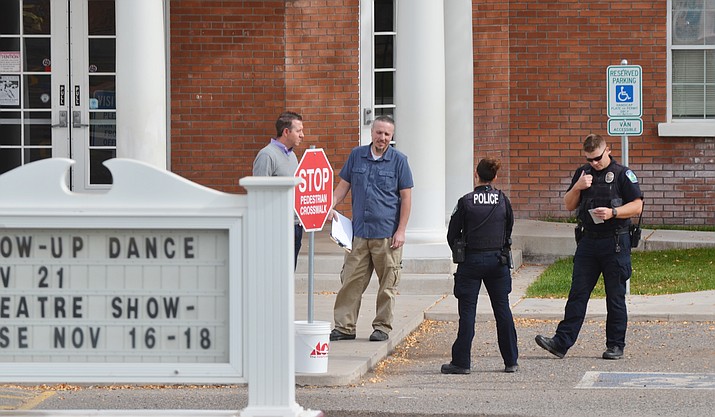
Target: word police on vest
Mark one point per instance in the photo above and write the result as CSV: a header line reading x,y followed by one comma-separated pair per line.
x,y
486,198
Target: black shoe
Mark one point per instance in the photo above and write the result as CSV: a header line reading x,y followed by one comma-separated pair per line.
x,y
338,335
548,344
448,368
379,336
613,352
510,369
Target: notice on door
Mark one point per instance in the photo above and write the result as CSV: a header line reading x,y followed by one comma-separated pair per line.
x,y
10,61
9,90
124,296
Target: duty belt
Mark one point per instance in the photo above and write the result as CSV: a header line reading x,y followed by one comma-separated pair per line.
x,y
603,235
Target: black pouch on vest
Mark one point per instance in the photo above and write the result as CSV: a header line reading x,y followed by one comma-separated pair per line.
x,y
578,233
459,250
635,231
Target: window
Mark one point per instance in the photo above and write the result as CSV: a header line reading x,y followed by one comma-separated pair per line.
x,y
692,68
377,61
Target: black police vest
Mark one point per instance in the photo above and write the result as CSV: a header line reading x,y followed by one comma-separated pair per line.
x,y
477,205
605,191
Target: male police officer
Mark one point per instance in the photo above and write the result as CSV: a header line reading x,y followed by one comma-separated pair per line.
x,y
606,195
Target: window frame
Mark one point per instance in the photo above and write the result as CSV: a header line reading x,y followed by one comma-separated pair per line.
x,y
681,127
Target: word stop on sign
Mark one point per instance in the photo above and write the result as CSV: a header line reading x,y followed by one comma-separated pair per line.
x,y
314,180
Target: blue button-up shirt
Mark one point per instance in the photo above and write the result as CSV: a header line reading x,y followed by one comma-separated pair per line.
x,y
375,187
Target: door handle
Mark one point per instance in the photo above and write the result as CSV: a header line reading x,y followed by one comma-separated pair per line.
x,y
77,120
367,116
63,119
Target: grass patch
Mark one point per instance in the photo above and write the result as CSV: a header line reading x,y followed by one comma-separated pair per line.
x,y
654,273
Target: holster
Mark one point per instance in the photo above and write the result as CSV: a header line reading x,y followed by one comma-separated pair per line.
x,y
459,250
578,232
634,231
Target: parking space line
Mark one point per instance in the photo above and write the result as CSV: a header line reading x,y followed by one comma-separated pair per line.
x,y
36,400
646,380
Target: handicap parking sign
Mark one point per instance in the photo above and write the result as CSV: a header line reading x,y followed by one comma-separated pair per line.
x,y
625,88
624,93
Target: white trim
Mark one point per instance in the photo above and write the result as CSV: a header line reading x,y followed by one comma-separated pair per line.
x,y
686,128
680,127
365,76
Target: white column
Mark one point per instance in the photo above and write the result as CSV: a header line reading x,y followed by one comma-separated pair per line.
x,y
420,121
141,81
459,83
270,332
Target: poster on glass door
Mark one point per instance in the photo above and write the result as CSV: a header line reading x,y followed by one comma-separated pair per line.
x,y
9,90
10,61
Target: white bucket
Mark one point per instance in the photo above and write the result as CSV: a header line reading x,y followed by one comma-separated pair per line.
x,y
312,344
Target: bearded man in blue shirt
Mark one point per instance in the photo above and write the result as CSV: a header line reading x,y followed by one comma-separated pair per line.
x,y
381,182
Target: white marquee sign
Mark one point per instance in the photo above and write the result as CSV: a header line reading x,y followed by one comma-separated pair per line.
x,y
142,283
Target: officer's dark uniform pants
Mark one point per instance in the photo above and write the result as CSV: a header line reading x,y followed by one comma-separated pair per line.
x,y
593,257
478,267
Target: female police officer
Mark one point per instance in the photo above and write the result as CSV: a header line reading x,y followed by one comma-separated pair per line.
x,y
485,219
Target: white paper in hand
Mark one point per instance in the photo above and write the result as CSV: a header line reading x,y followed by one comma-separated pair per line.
x,y
596,220
341,231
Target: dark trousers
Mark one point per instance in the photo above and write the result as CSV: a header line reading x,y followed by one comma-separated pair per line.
x,y
596,256
478,268
298,240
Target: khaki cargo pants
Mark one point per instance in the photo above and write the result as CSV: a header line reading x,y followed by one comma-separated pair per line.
x,y
368,255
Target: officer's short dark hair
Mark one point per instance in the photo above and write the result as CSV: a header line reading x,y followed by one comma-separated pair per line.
x,y
487,168
592,142
285,121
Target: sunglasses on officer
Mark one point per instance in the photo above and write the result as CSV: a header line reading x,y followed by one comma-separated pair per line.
x,y
597,158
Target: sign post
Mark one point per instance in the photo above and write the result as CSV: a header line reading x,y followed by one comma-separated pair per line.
x,y
625,107
313,202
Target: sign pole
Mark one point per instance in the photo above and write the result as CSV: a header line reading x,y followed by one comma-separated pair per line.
x,y
624,157
311,257
311,265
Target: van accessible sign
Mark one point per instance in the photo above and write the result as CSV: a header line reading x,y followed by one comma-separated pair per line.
x,y
629,127
625,90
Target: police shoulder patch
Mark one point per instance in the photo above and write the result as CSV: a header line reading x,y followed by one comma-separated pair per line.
x,y
632,176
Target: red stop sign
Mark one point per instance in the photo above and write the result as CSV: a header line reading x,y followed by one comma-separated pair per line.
x,y
314,194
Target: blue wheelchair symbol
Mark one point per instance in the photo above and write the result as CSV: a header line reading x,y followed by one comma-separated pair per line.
x,y
624,93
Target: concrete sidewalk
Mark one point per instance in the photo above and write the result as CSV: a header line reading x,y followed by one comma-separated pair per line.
x,y
430,297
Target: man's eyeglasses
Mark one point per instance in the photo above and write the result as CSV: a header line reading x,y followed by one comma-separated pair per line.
x,y
597,158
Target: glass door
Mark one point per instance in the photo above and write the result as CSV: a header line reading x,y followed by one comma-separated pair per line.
x,y
377,62
57,86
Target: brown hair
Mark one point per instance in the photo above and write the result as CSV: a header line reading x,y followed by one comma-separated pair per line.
x,y
487,168
285,121
592,142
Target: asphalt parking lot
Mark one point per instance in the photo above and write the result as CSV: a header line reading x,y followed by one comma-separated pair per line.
x,y
668,370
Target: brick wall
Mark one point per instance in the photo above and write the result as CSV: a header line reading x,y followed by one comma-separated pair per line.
x,y
323,77
227,86
235,65
558,54
539,81
490,37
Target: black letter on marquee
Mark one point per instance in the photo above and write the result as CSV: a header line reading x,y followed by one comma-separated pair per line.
x,y
116,307
133,250
22,337
188,248
24,246
59,337
114,247
77,245
56,253
5,274
4,340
